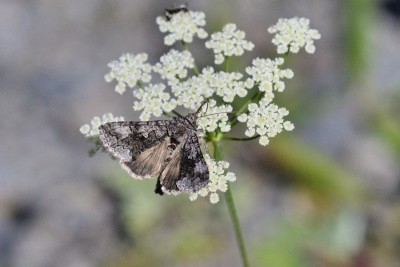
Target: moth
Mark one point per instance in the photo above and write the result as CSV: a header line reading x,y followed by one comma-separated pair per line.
x,y
168,13
168,149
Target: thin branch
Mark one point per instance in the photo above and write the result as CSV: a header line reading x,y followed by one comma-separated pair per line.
x,y
195,68
240,138
257,96
140,85
166,114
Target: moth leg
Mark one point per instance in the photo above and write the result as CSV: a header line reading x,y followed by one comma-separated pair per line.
x,y
158,189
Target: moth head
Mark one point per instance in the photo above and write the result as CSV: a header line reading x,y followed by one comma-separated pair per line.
x,y
191,118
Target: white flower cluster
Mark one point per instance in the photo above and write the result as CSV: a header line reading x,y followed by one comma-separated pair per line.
x,y
229,42
128,71
183,26
153,101
192,92
93,128
219,179
293,34
267,73
265,119
228,85
173,66
215,117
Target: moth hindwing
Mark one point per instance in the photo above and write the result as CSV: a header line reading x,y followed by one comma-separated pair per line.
x,y
167,149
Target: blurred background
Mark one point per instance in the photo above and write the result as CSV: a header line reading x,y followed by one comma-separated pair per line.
x,y
326,194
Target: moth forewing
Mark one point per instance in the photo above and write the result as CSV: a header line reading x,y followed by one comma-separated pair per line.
x,y
112,136
194,173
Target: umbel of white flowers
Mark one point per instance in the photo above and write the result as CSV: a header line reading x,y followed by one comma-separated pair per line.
x,y
262,117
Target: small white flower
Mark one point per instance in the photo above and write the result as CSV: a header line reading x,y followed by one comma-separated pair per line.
x,y
173,66
120,88
183,26
264,140
225,128
250,132
107,117
128,71
230,176
242,117
214,198
193,196
212,187
95,122
216,117
85,129
218,180
293,34
93,129
288,126
229,42
310,48
219,59
223,187
153,100
203,192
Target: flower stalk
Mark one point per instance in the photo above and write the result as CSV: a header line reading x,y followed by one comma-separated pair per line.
x,y
218,155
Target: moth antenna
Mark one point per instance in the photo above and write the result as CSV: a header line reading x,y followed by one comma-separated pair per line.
x,y
200,108
217,114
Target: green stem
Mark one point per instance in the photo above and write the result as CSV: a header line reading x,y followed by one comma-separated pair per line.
x,y
226,64
140,85
241,138
195,68
166,114
232,210
255,98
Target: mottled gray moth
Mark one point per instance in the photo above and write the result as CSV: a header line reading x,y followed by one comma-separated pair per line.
x,y
168,149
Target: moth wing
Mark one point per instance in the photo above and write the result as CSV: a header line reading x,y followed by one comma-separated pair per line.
x,y
116,138
193,170
149,163
141,147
